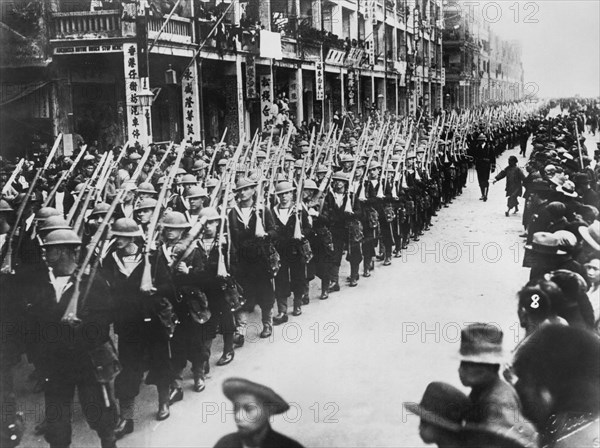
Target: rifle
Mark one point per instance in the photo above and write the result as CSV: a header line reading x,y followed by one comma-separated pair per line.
x,y
146,285
7,267
160,162
214,156
70,314
63,176
13,176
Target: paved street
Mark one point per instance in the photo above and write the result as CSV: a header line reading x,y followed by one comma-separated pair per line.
x,y
348,363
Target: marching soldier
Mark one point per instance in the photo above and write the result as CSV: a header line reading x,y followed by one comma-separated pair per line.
x,y
291,277
82,357
123,267
252,255
335,216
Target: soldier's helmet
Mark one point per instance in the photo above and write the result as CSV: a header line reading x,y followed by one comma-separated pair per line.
x,y
244,182
188,179
283,187
54,223
144,204
45,212
175,220
310,184
210,214
197,192
101,208
146,187
4,206
61,237
125,227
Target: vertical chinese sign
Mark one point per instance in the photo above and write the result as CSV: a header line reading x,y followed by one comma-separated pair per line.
x,y
351,87
137,130
267,120
191,104
250,77
320,81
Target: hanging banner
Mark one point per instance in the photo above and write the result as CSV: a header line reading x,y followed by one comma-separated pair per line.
x,y
267,119
351,80
320,81
443,76
335,57
191,104
250,77
371,50
293,90
136,120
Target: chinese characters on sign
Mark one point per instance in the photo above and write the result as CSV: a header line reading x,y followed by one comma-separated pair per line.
x,y
191,106
320,81
136,121
250,77
443,76
371,50
267,119
351,90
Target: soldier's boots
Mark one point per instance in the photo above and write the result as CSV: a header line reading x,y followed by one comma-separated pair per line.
x,y
281,318
199,380
267,331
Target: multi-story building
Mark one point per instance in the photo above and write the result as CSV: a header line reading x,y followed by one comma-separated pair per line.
x,y
113,71
480,67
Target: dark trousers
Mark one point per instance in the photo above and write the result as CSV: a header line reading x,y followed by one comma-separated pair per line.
x,y
132,349
339,240
290,279
59,392
191,342
483,174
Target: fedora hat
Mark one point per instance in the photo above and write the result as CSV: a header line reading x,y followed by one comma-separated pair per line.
x,y
481,343
545,243
568,189
234,387
442,405
591,234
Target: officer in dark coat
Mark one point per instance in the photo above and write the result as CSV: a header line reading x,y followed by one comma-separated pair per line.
x,y
485,162
81,356
254,404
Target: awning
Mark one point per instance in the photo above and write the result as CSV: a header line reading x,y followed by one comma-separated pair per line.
x,y
11,96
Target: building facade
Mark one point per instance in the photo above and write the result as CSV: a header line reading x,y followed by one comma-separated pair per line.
x,y
480,67
94,62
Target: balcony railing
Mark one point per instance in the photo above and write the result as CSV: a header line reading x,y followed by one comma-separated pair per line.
x,y
178,29
86,25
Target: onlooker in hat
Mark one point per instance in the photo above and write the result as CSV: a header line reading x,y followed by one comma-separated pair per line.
x,y
442,410
254,404
548,256
514,183
592,269
556,376
481,355
572,304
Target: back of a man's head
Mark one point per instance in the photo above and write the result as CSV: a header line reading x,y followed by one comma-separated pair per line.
x,y
565,361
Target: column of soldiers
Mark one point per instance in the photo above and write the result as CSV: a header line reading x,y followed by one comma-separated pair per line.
x,y
546,392
168,247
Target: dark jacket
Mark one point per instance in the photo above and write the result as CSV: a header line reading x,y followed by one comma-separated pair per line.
x,y
514,180
272,440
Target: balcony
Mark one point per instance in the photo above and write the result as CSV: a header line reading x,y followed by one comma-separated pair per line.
x,y
86,25
178,29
